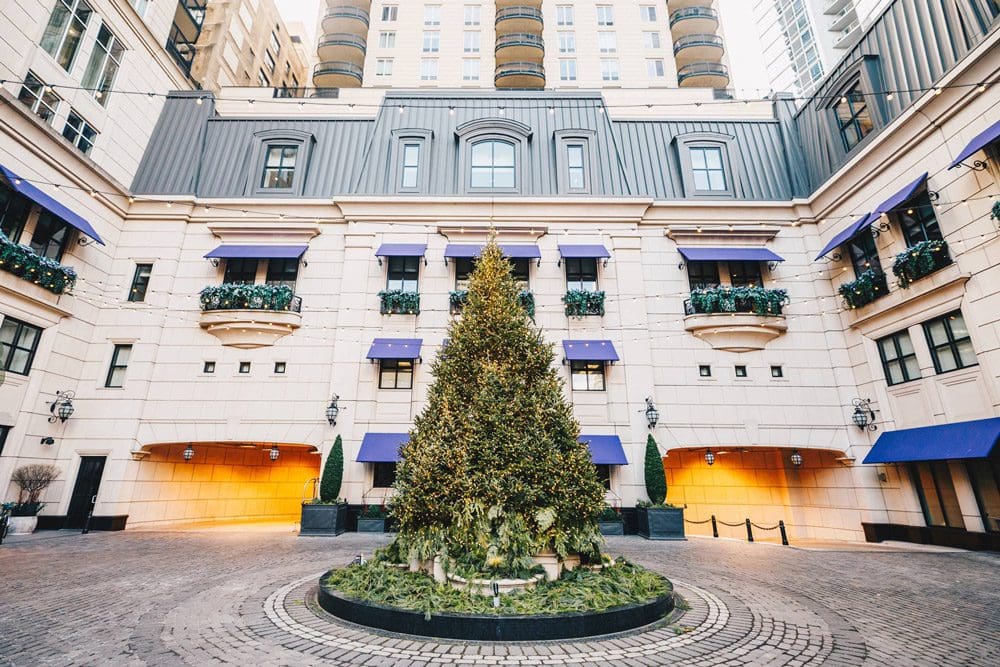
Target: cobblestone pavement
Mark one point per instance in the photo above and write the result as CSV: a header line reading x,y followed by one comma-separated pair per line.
x,y
231,597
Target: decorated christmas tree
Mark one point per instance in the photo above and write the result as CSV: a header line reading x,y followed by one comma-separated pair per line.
x,y
493,472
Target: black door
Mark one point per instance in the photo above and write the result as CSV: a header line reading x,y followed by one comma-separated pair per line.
x,y
88,481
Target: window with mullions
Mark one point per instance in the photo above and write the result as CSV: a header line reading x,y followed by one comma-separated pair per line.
x,y
65,29
984,475
854,119
119,364
79,132
864,253
899,359
707,169
18,344
395,374
279,167
587,375
14,210
411,166
918,221
283,272
38,97
383,475
51,236
403,273
745,274
465,265
936,492
493,165
140,282
581,273
703,275
240,271
105,60
950,343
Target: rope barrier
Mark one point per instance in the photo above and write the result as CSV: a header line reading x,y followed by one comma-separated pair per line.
x,y
750,525
697,523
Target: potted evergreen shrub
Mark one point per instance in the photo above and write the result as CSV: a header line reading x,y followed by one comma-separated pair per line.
x,y
372,520
327,515
610,521
658,520
31,481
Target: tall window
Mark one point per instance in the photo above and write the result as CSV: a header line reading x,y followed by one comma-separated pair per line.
x,y
470,69
745,274
950,343
587,375
707,169
464,267
432,41
472,15
38,97
119,364
899,360
576,167
918,221
403,273
567,42
610,69
51,236
648,13
14,210
383,67
240,271
703,275
605,15
105,60
470,41
581,273
607,42
493,165
564,14
387,40
411,165
984,474
269,62
854,119
79,132
18,344
279,167
274,44
282,272
390,13
651,40
140,6
140,282
395,374
603,471
429,69
432,15
655,68
567,69
63,34
936,492
864,253
4,430
384,475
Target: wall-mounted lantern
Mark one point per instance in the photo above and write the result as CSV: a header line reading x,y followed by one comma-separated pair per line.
x,y
652,414
274,453
709,457
864,416
188,453
62,408
796,458
333,410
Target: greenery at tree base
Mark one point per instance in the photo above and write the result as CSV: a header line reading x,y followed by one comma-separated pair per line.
x,y
493,469
333,473
656,477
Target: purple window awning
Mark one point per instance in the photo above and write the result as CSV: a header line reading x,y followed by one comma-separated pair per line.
x,y
471,250
729,254
943,442
57,209
981,141
258,252
605,449
401,250
381,447
395,348
590,350
583,251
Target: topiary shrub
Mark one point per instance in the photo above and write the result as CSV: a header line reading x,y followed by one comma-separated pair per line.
x,y
656,477
333,473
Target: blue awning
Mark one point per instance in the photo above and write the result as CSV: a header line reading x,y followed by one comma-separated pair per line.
x,y
401,250
470,250
605,449
730,254
258,252
897,200
961,440
864,222
981,141
584,251
381,447
590,350
49,204
395,348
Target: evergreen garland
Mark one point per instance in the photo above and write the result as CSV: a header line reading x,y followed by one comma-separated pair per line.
x,y
656,477
920,260
398,302
25,263
869,286
239,296
333,473
580,303
756,300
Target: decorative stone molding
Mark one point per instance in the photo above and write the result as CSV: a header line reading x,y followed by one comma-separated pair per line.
x,y
735,332
264,233
937,294
248,329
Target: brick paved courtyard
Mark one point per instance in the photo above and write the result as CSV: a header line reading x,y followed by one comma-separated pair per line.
x,y
211,597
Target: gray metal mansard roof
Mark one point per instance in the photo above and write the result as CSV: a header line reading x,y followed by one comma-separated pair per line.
x,y
194,151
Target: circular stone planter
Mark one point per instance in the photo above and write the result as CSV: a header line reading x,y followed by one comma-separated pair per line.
x,y
478,627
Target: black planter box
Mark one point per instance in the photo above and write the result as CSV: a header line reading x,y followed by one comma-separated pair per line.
x,y
371,525
323,519
612,527
661,523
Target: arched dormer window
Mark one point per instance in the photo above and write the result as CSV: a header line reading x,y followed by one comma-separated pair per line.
x,y
279,163
706,165
492,155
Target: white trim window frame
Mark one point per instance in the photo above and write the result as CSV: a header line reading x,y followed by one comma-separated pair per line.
x,y
65,31
102,68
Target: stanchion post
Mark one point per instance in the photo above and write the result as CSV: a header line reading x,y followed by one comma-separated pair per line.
x,y
784,535
715,527
749,532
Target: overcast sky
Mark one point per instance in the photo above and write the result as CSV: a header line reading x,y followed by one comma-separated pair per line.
x,y
745,59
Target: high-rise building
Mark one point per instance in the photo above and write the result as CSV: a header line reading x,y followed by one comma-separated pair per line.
x,y
520,44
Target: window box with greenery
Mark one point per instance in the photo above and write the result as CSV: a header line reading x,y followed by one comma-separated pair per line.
x,y
922,259
26,264
745,299
868,286
239,296
658,520
580,303
610,521
327,514
457,299
372,519
247,316
399,302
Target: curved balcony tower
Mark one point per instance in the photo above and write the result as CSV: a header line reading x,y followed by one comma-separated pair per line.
x,y
698,46
520,49
342,45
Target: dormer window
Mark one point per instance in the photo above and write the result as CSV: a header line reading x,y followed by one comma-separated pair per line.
x,y
280,163
707,164
706,167
411,165
492,154
854,120
279,167
493,165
